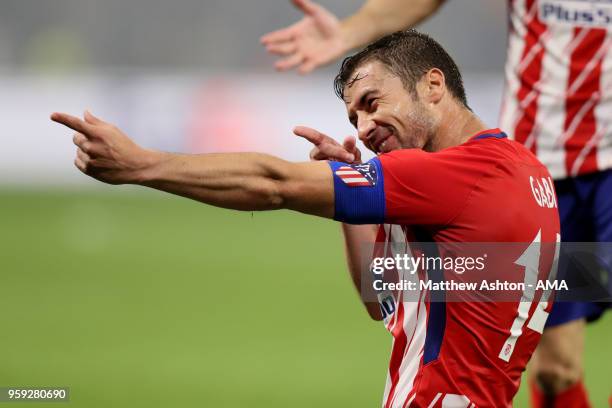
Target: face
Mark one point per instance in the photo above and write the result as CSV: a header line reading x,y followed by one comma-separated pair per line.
x,y
387,117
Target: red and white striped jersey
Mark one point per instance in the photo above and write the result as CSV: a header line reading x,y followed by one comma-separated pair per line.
x,y
558,92
449,352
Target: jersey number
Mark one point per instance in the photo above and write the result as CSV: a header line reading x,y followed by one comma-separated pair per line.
x,y
530,260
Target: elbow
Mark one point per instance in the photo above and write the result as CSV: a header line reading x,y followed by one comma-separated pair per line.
x,y
271,189
268,195
275,200
374,311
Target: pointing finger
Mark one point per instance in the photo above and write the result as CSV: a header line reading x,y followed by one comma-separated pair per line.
x,y
72,122
313,136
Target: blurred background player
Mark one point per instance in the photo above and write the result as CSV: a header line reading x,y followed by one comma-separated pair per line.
x,y
405,95
557,102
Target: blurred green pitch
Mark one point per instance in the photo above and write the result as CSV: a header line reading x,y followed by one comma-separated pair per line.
x,y
141,299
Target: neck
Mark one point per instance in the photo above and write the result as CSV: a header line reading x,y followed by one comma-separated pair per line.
x,y
457,125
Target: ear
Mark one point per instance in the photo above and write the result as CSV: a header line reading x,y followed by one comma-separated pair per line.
x,y
434,86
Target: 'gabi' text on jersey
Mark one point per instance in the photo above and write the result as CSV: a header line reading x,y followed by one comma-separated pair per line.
x,y
543,191
489,189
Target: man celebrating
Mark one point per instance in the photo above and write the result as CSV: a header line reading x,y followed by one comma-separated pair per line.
x,y
557,102
440,174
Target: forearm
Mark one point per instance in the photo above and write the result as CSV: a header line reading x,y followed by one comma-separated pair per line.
x,y
240,181
357,239
377,18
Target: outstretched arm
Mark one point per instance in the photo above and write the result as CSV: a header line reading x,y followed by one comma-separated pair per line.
x,y
377,18
241,181
320,38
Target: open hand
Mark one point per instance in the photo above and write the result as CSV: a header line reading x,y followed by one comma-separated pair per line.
x,y
313,41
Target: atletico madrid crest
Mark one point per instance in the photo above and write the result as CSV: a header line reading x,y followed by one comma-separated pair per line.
x,y
358,175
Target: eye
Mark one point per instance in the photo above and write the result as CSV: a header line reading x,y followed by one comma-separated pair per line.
x,y
371,102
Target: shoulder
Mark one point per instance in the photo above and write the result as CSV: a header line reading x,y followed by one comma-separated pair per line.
x,y
470,160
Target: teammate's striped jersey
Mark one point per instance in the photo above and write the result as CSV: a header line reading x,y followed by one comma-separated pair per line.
x,y
489,189
558,92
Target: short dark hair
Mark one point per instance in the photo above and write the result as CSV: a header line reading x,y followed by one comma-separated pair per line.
x,y
409,55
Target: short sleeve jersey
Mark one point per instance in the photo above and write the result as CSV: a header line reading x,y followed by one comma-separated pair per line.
x,y
489,189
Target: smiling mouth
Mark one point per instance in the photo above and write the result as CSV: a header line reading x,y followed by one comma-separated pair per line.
x,y
380,145
378,142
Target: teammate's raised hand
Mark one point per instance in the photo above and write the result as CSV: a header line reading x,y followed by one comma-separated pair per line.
x,y
326,148
315,40
104,152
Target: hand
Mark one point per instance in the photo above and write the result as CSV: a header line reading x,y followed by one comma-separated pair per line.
x,y
104,152
315,40
327,148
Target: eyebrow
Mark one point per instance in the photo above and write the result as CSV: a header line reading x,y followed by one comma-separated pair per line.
x,y
355,79
349,84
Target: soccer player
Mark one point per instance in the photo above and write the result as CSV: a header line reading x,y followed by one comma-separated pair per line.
x,y
557,101
440,174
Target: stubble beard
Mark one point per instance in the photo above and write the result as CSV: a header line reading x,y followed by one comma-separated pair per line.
x,y
421,129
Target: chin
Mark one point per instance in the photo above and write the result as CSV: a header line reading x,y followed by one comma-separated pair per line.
x,y
390,145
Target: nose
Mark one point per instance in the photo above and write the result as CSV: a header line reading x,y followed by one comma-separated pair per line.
x,y
365,125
